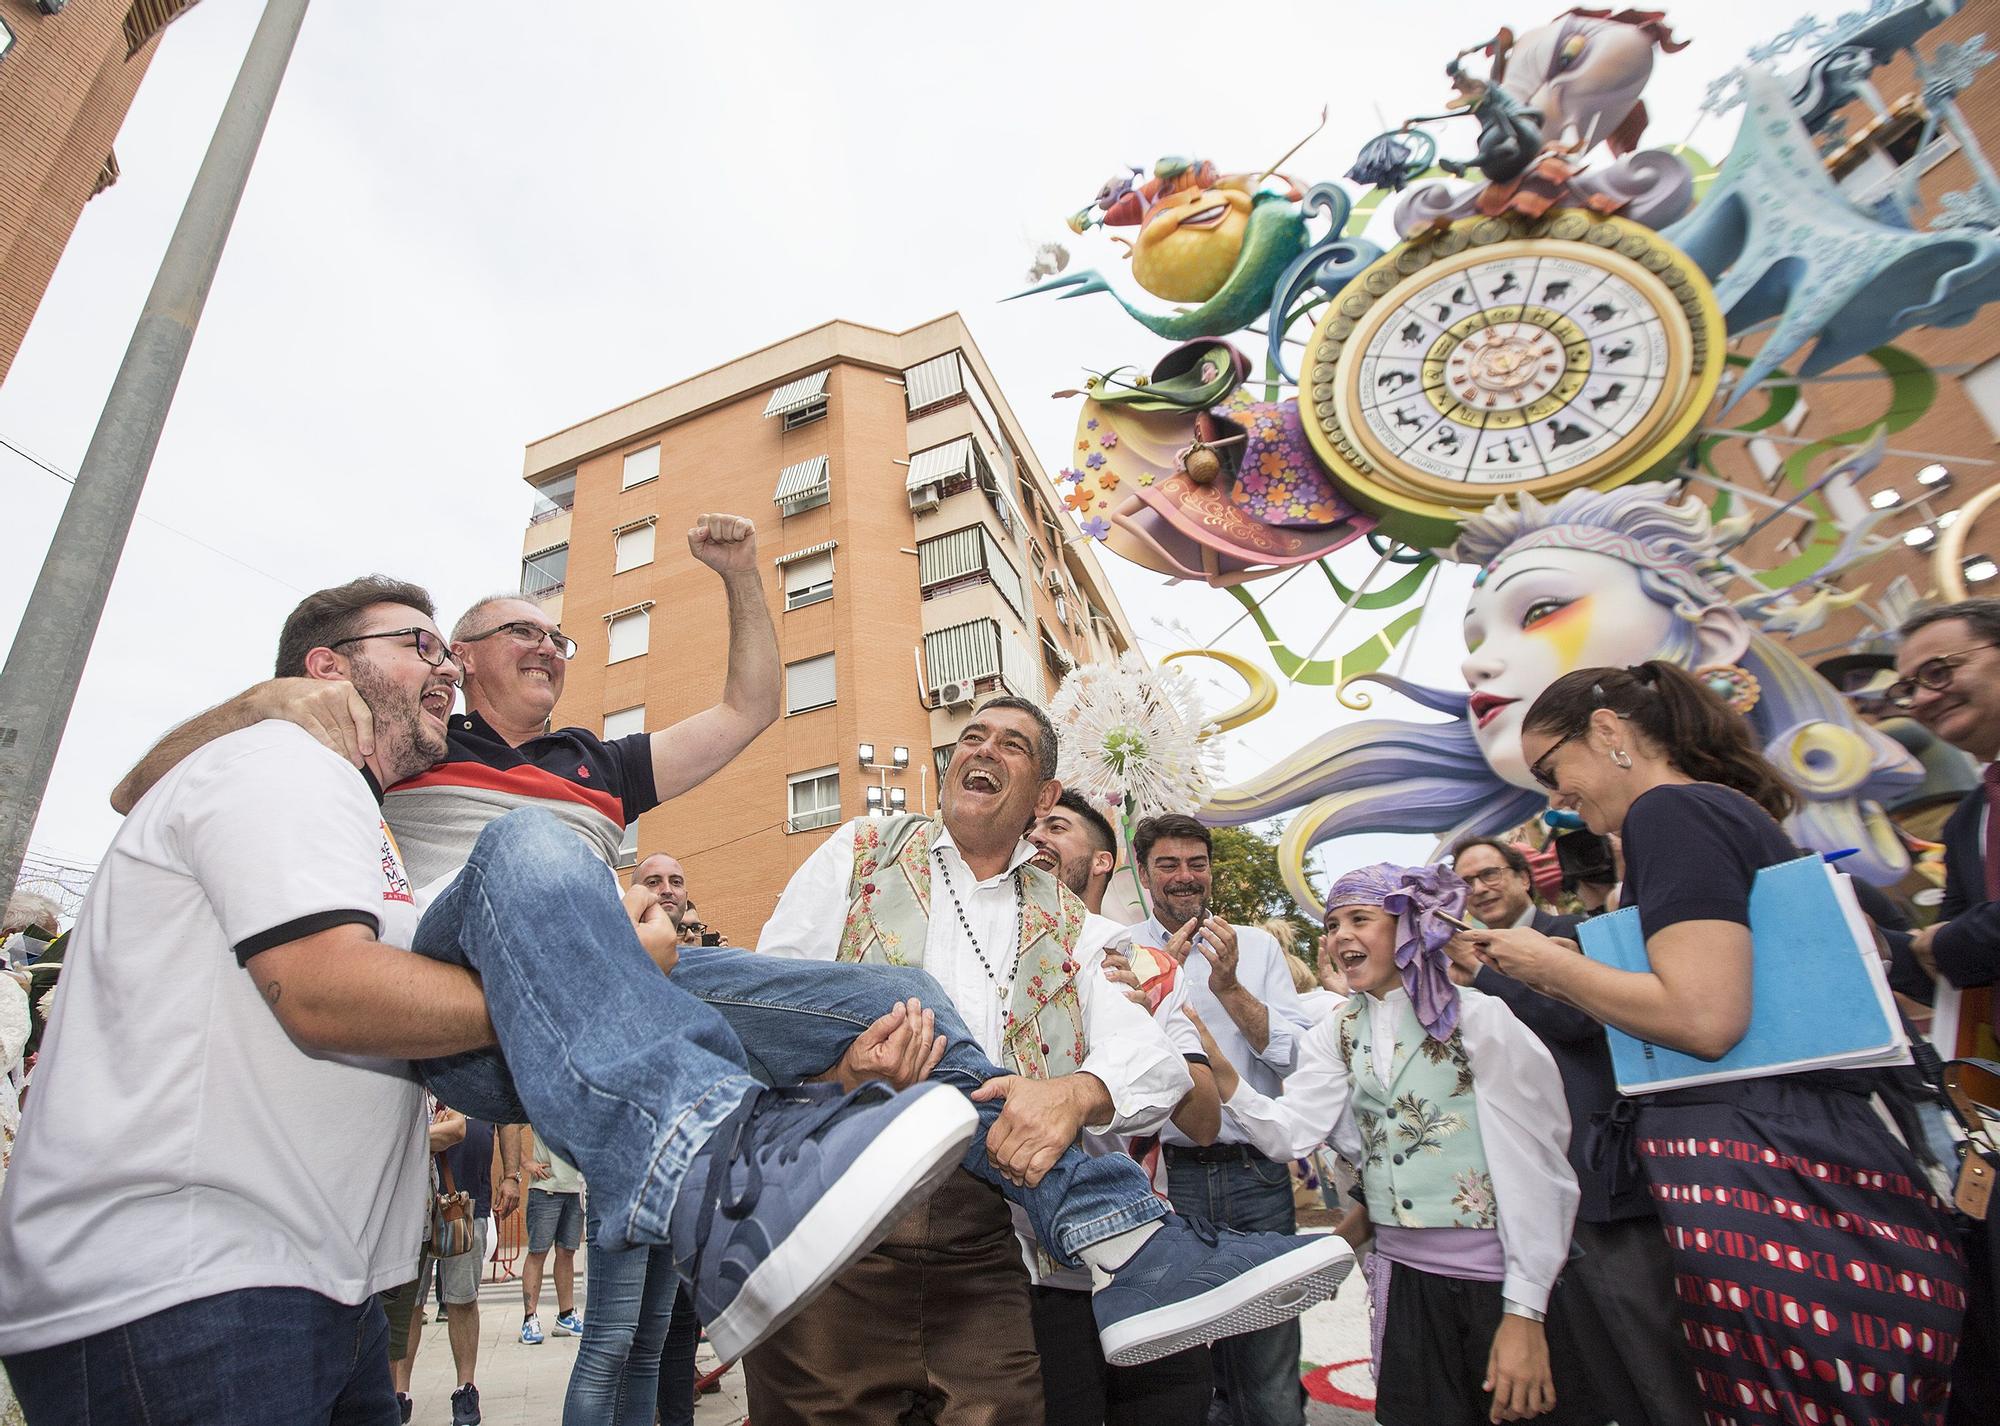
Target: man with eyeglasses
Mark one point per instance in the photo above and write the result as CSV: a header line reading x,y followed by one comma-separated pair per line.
x,y
1948,679
1625,1270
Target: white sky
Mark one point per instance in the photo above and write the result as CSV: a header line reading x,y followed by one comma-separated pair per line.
x,y
463,234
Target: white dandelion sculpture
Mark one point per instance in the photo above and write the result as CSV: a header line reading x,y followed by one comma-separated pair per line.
x,y
1135,741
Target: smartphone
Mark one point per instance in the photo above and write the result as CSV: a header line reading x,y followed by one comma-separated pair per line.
x,y
711,938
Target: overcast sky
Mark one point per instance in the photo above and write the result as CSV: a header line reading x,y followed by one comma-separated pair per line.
x,y
472,224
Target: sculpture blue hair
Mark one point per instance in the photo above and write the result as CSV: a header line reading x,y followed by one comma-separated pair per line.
x,y
1387,775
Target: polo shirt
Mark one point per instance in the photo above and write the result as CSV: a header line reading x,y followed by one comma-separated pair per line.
x,y
179,1144
595,787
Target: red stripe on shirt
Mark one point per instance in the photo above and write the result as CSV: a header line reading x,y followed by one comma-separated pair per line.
x,y
526,780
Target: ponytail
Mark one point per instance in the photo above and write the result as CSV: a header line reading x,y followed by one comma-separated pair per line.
x,y
1700,734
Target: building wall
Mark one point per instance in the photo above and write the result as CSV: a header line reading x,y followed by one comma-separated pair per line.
x,y
720,453
64,90
1954,431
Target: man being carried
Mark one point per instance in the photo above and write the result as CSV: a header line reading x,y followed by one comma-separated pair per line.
x,y
228,1158
945,1298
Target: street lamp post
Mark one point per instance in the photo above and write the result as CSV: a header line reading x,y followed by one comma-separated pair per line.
x,y
884,800
38,684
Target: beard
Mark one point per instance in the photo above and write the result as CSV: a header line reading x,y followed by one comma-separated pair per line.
x,y
1180,901
405,743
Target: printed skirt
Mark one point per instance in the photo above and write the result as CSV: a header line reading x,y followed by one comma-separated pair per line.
x,y
1819,1278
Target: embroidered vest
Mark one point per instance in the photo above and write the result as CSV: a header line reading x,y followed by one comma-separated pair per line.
x,y
1423,1164
888,919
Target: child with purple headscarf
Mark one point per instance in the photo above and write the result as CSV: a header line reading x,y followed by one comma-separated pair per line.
x,y
1455,1113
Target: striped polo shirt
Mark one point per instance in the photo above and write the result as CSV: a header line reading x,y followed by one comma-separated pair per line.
x,y
594,786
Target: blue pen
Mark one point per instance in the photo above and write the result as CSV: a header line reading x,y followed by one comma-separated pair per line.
x,y
1836,856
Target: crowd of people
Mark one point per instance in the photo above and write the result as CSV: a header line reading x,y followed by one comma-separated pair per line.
x,y
951,1145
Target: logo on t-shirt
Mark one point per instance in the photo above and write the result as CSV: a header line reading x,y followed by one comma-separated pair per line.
x,y
582,771
395,885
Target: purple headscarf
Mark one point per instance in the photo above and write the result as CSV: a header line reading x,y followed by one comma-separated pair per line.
x,y
1414,895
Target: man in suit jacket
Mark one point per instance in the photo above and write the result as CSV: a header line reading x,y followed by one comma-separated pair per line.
x,y
1625,1271
1948,678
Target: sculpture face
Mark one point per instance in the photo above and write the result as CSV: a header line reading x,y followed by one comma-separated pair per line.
x,y
1190,243
1534,617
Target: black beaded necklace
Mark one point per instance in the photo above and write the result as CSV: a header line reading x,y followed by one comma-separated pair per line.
x,y
1020,907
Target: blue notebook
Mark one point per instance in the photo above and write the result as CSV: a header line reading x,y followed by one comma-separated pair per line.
x,y
1819,996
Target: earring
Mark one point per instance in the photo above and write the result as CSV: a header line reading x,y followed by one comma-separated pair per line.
x,y
1733,684
1621,758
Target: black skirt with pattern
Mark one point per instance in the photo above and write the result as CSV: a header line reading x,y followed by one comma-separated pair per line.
x,y
1819,1278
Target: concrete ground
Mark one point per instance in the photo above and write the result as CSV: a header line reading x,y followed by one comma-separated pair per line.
x,y
524,1386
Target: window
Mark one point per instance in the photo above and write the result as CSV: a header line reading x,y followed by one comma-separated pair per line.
x,y
966,557
641,466
808,580
941,759
147,18
809,684
628,845
543,571
624,722
1041,560
814,799
7,43
1062,608
634,547
963,653
802,487
629,632
800,402
1982,384
1054,658
934,384
553,497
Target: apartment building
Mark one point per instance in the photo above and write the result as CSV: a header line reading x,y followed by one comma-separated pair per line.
x,y
68,71
913,557
1890,146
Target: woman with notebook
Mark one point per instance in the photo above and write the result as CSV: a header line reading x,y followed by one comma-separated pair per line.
x,y
1818,1275
1455,1113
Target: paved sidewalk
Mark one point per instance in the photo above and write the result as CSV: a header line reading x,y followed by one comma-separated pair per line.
x,y
521,1385
524,1386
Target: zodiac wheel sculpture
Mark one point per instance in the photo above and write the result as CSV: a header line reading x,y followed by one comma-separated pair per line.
x,y
1498,356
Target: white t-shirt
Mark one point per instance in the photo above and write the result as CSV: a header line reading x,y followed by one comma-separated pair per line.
x,y
177,1143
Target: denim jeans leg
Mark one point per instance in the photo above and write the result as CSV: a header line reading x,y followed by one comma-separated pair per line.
x,y
188,1365
614,1380
627,1074
675,1399
795,1018
1258,1371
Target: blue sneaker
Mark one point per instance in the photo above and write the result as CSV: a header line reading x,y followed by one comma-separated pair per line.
x,y
1192,1282
794,1186
531,1329
568,1324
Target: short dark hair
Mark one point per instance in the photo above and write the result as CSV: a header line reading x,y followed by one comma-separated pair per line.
x,y
325,618
1983,615
1045,737
1509,853
1170,824
1076,803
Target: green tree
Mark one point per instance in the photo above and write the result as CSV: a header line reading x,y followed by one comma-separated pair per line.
x,y
1248,888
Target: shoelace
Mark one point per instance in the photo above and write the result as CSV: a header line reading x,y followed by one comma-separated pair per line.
x,y
731,1134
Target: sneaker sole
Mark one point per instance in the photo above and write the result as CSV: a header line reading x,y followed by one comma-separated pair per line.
x,y
903,1163
564,1332
1267,1296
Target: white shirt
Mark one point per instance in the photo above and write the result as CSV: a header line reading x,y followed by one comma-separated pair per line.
x,y
1125,1049
178,1144
1260,968
1523,1126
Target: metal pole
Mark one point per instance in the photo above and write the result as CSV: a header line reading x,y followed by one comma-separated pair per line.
x,y
38,684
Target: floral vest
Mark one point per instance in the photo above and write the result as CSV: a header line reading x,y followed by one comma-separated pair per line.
x,y
1423,1163
888,919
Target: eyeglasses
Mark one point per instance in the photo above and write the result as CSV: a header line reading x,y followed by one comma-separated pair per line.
x,y
430,648
1539,770
531,636
1493,875
1934,674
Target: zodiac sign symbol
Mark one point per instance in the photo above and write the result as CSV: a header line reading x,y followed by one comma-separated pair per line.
x,y
1617,353
1556,291
1507,448
1460,295
1605,397
1507,284
1412,333
1444,313
1394,380
1566,433
1445,442
1404,418
1602,311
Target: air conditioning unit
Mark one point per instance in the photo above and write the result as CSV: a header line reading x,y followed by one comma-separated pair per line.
x,y
924,499
956,693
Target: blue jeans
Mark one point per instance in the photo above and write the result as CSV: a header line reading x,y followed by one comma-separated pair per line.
x,y
1258,1372
676,1395
630,1299
279,1355
627,1071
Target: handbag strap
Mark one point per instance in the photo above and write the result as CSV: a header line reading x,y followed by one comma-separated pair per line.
x,y
444,1174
